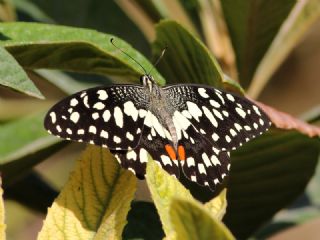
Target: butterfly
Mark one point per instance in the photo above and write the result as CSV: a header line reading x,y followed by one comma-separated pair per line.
x,y
188,128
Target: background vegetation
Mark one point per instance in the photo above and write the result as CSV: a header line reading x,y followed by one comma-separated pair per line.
x,y
268,50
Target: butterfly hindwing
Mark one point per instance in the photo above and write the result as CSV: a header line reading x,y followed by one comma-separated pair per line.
x,y
106,116
225,119
154,142
201,161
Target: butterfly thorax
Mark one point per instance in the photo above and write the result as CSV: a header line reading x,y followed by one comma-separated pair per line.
x,y
161,106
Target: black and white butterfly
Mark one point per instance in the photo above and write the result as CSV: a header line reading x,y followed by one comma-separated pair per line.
x,y
185,126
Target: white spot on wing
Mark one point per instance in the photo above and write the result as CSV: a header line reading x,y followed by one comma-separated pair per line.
x,y
166,160
131,155
104,134
256,109
215,137
210,116
53,117
206,160
129,136
143,154
230,97
74,117
93,129
214,103
203,92
58,128
99,106
80,132
73,102
194,110
95,115
241,112
118,117
201,168
238,126
215,161
233,132
106,115
217,114
190,162
130,110
85,102
116,139
102,95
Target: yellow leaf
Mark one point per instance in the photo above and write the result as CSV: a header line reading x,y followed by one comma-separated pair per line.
x,y
2,225
192,221
217,206
95,201
164,188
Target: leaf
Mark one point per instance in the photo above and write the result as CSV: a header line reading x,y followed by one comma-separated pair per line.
x,y
217,206
30,8
143,222
2,215
266,175
94,202
186,60
14,77
63,81
302,16
252,26
164,188
24,142
37,46
283,120
192,221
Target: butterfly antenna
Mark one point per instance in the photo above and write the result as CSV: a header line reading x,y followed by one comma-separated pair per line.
x,y
158,60
111,40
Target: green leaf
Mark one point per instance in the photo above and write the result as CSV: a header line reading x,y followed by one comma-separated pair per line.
x,y
63,81
143,222
13,76
191,221
31,9
24,142
37,46
252,26
302,16
186,60
94,202
266,175
164,188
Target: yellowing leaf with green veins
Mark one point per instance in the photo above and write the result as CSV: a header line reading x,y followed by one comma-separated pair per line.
x,y
192,221
217,206
164,188
95,201
2,224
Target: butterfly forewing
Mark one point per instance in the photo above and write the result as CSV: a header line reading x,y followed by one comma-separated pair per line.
x,y
225,119
107,116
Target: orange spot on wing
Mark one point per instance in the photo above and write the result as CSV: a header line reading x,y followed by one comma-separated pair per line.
x,y
182,153
170,151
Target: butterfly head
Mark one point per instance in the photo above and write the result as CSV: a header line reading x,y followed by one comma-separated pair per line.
x,y
147,81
